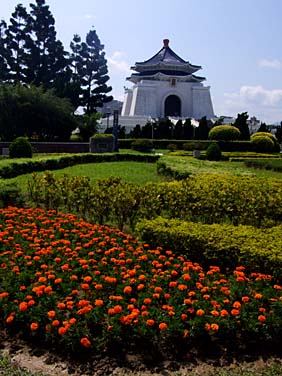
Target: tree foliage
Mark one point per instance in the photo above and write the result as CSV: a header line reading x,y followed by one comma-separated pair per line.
x,y
31,53
32,112
90,71
242,125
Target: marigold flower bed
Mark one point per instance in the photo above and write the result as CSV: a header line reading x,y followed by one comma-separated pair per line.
x,y
83,286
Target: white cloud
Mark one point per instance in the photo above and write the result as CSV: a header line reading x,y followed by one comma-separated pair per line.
x,y
117,63
88,16
256,100
256,95
273,64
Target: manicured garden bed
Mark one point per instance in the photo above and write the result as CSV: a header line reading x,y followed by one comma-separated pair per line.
x,y
86,288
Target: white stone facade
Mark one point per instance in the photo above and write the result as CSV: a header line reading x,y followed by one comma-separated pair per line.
x,y
147,98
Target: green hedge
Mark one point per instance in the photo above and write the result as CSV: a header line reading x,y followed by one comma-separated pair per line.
x,y
54,163
224,245
190,145
223,198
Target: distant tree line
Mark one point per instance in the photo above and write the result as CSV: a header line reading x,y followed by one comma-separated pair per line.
x,y
31,55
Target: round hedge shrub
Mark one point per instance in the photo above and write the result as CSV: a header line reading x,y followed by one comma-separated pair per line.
x,y
20,148
142,145
213,152
263,144
265,134
224,133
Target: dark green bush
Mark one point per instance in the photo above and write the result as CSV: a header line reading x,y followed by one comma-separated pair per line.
x,y
20,148
142,145
213,152
172,147
11,195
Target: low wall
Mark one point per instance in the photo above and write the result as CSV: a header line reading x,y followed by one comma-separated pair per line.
x,y
52,147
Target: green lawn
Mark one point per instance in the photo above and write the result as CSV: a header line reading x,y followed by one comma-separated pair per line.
x,y
198,166
134,172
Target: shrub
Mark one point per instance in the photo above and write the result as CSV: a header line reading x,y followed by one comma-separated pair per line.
x,y
142,145
90,289
103,135
217,244
263,144
213,152
20,148
10,194
172,147
224,133
265,134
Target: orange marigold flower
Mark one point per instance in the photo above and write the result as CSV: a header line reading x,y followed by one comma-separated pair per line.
x,y
224,313
184,317
200,312
257,296
51,314
158,289
34,326
172,284
207,326
215,313
23,306
127,289
98,286
162,326
245,299
85,342
118,308
56,323
99,302
9,319
87,279
214,327
62,330
140,287
186,277
182,287
31,303
85,286
150,322
261,318
235,312
111,311
4,295
237,305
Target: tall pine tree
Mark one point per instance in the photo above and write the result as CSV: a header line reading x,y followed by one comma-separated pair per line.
x,y
17,37
4,53
242,125
47,59
90,68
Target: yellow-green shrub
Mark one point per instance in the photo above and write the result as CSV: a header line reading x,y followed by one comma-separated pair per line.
x,y
224,245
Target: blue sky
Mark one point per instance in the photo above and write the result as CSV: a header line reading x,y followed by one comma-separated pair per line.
x,y
237,43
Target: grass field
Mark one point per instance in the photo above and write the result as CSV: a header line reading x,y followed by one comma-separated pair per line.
x,y
134,172
198,166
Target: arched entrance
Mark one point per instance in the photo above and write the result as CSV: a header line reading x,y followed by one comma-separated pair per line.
x,y
172,106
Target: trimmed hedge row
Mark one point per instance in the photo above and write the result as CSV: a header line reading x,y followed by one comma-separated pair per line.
x,y
191,145
206,198
54,163
223,245
269,164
